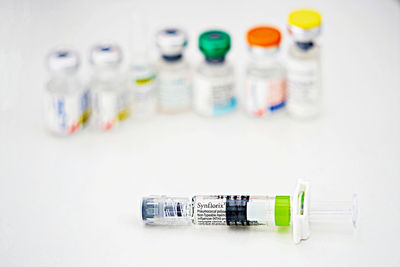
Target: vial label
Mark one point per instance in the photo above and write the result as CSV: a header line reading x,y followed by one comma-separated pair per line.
x,y
174,91
144,100
110,108
214,96
303,85
264,96
66,114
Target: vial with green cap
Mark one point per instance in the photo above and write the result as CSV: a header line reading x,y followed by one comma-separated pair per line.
x,y
244,210
303,64
214,82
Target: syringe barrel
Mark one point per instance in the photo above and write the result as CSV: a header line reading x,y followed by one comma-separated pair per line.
x,y
217,210
334,211
233,210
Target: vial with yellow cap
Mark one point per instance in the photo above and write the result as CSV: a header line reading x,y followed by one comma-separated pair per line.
x,y
265,91
303,64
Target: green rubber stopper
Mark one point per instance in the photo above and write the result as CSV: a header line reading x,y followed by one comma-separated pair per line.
x,y
282,210
214,44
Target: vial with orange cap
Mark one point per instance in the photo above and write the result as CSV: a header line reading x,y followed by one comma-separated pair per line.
x,y
265,91
303,64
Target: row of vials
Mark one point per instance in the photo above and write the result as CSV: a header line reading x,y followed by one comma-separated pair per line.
x,y
170,86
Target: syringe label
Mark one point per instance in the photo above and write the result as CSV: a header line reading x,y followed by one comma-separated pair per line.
x,y
221,210
210,210
236,210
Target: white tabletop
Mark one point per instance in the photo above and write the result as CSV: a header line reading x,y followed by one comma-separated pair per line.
x,y
76,201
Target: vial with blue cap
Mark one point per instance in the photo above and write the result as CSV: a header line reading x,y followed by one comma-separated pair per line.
x,y
274,211
110,94
303,64
66,99
173,72
214,81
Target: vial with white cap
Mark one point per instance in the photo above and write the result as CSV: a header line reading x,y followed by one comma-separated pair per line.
x,y
265,89
303,64
214,81
110,94
274,211
173,72
66,100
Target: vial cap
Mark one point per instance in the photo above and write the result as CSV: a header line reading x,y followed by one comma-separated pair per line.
x,y
171,41
63,60
214,44
105,54
304,24
264,37
282,210
305,19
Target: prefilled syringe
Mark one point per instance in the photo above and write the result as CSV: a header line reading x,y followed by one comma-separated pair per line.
x,y
235,210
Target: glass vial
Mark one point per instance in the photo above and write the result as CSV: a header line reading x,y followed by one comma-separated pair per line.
x,y
110,95
142,83
214,82
265,89
142,76
173,72
66,100
303,64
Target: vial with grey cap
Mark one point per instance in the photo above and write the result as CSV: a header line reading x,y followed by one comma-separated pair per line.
x,y
110,94
173,72
66,100
233,210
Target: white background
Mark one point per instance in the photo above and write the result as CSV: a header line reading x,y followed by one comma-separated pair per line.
x,y
76,201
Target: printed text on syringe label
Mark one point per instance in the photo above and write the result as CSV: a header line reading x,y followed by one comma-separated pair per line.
x,y
210,211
